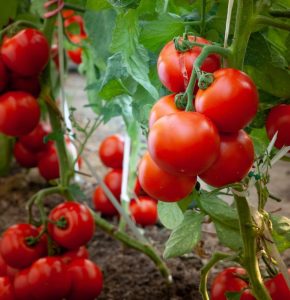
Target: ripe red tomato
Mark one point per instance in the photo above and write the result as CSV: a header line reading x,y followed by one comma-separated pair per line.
x,y
26,53
103,204
228,281
19,113
48,279
247,295
111,151
30,85
86,279
3,76
234,162
34,140
77,226
164,106
144,211
67,13
162,185
76,54
138,189
6,289
70,256
15,249
113,180
74,21
24,157
279,120
3,267
48,165
278,288
21,285
175,68
184,143
231,101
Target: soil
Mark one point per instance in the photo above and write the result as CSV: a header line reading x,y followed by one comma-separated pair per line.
x,y
128,274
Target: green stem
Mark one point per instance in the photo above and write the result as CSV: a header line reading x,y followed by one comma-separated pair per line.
x,y
74,7
6,145
216,257
269,21
280,13
132,243
18,24
249,259
243,29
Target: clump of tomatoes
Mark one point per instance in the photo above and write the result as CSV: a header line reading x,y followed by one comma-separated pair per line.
x,y
209,142
27,272
143,209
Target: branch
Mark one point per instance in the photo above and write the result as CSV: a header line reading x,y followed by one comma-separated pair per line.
x,y
269,21
280,13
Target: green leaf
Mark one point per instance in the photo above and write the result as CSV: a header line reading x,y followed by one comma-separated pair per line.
x,y
169,214
37,7
185,236
76,192
156,34
281,232
98,5
124,3
135,57
260,140
233,295
8,11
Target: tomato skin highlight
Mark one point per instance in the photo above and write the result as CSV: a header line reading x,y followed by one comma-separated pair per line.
x,y
162,185
227,281
14,249
164,106
279,120
231,101
144,211
79,228
111,151
86,278
24,157
234,162
103,204
6,289
26,53
184,143
175,68
48,279
19,113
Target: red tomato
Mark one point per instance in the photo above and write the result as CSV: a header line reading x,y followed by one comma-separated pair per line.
x,y
111,151
138,189
24,157
34,140
76,54
103,204
164,106
279,120
247,295
12,272
21,285
6,289
113,180
30,85
26,53
231,101
162,185
175,68
3,267
278,288
19,113
48,165
86,278
67,13
15,249
3,76
48,279
228,281
70,256
235,160
78,225
74,20
144,211
184,143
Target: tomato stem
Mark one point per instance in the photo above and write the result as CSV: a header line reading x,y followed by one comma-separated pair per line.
x,y
216,257
17,24
269,21
280,13
6,150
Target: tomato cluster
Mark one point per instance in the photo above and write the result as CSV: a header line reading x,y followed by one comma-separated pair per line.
x,y
143,209
26,272
71,20
183,145
233,279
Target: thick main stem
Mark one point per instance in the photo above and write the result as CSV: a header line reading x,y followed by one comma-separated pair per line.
x,y
6,144
249,258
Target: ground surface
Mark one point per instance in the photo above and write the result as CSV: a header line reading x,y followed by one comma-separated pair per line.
x,y
128,274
